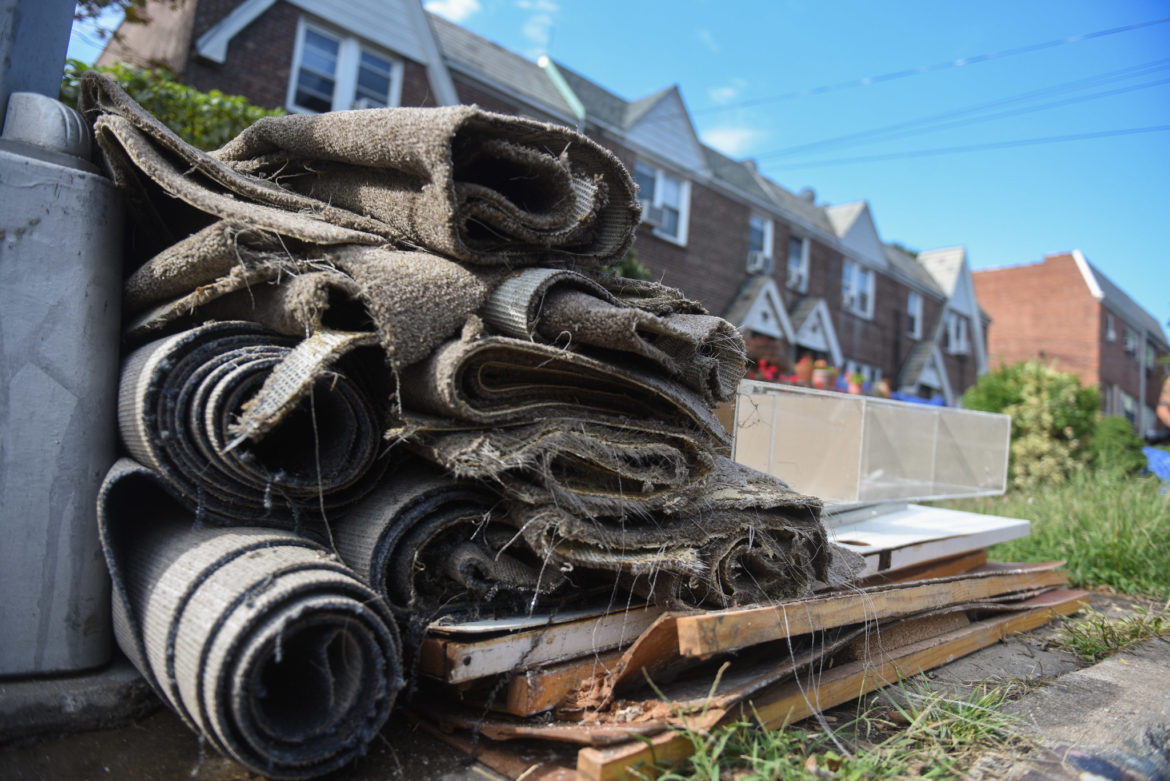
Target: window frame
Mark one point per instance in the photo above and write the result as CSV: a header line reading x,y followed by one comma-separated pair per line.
x,y
914,313
1110,328
870,372
958,333
1131,344
805,250
684,207
346,69
849,270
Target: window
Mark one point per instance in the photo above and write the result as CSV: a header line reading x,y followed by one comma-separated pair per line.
x,y
1151,356
665,200
1110,329
798,264
1129,408
1131,341
759,260
914,315
857,289
333,72
958,340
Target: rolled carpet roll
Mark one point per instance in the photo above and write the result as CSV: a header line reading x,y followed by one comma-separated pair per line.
x,y
262,641
498,379
179,400
567,308
593,464
431,545
747,538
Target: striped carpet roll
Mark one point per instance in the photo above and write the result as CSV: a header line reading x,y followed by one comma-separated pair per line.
x,y
180,397
429,545
262,641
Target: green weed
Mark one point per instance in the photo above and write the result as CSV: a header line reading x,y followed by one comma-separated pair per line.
x,y
1096,636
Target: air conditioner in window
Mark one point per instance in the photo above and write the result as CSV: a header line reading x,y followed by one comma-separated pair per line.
x,y
759,263
796,279
362,103
654,216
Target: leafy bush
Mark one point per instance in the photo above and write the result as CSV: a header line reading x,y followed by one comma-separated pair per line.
x,y
1053,418
1116,447
206,119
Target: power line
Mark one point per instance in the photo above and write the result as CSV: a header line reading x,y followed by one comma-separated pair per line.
x,y
979,147
932,122
998,115
906,73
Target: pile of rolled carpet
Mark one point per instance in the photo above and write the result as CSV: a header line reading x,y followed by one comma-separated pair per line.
x,y
376,374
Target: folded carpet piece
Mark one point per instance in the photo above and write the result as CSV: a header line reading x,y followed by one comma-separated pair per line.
x,y
569,309
592,464
480,187
496,379
178,403
263,642
346,288
431,546
747,539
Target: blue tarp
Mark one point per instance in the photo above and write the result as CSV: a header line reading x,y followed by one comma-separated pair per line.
x,y
937,401
1158,462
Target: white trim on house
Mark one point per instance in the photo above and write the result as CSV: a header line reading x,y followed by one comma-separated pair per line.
x,y
766,315
797,280
664,179
934,375
915,312
213,44
850,295
817,333
1087,274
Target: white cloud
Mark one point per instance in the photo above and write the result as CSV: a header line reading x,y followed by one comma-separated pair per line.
x,y
538,27
727,93
455,10
733,141
543,6
707,39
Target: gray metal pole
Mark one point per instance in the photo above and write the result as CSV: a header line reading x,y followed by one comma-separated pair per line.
x,y
34,35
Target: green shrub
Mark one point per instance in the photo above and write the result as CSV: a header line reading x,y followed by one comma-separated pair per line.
x,y
206,119
1115,446
1053,419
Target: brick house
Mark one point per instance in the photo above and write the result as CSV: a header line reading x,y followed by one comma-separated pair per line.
x,y
1066,312
796,276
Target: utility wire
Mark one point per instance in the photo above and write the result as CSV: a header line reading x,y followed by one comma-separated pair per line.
x,y
979,147
868,80
940,121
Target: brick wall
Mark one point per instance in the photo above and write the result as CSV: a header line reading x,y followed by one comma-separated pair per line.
x,y
259,58
1042,311
416,87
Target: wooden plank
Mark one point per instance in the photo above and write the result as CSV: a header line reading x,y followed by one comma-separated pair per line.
x,y
706,634
542,689
456,662
531,762
787,702
927,570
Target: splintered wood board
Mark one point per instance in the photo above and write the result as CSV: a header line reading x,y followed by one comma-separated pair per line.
x,y
915,534
935,568
457,661
728,630
543,688
787,702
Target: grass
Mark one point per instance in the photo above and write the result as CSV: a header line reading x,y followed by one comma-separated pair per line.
x,y
919,733
1096,636
1110,528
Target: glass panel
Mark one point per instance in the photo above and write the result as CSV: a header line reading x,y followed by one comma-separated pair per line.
x,y
376,63
373,85
318,63
756,231
312,102
317,85
644,177
671,191
670,224
322,43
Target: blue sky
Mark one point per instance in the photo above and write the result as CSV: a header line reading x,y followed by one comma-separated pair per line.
x,y
749,71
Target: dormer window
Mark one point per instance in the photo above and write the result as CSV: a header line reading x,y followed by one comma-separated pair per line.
x,y
958,338
914,315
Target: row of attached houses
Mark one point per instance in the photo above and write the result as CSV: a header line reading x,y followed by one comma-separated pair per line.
x,y
798,277
1066,312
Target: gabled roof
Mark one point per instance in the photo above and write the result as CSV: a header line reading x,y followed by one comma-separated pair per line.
x,y
1118,301
805,210
734,173
912,272
600,104
813,327
469,53
642,106
945,265
853,223
759,307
